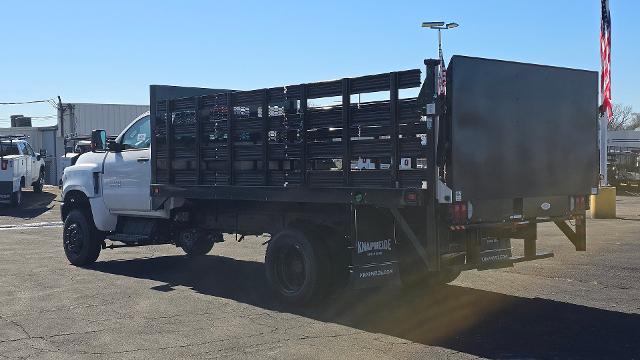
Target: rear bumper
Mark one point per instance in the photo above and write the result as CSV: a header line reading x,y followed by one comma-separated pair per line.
x,y
503,263
6,189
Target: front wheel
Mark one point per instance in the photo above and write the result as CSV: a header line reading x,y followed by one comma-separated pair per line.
x,y
81,240
39,184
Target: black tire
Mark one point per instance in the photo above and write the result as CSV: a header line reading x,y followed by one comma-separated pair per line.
x,y
39,184
80,238
297,268
198,243
16,198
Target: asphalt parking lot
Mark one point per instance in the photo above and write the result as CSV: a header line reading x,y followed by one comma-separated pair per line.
x,y
152,302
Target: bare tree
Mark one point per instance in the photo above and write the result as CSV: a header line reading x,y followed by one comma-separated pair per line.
x,y
623,117
635,122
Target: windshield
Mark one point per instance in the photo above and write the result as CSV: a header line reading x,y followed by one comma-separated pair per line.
x,y
8,149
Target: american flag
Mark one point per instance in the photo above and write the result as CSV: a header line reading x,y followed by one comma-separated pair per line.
x,y
605,58
442,76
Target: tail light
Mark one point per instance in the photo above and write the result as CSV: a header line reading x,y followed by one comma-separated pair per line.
x,y
411,197
5,164
578,203
461,212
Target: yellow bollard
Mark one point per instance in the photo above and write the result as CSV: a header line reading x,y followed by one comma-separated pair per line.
x,y
603,205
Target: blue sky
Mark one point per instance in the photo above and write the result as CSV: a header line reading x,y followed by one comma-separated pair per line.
x,y
110,51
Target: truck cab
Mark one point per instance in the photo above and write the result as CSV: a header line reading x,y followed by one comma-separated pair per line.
x,y
20,167
117,178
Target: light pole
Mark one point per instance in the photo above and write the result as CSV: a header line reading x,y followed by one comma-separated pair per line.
x,y
439,25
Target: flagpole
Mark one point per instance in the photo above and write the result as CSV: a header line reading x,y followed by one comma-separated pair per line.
x,y
603,204
604,121
605,87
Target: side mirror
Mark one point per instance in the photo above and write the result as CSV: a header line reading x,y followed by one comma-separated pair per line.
x,y
42,153
98,140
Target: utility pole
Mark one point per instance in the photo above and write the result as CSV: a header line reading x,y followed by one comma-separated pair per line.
x,y
61,118
64,138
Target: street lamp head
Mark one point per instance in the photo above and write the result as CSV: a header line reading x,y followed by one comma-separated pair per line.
x,y
433,24
439,25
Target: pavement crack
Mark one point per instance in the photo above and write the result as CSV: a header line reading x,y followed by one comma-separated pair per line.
x,y
19,326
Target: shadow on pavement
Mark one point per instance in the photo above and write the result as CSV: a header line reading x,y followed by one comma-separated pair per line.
x,y
477,322
33,205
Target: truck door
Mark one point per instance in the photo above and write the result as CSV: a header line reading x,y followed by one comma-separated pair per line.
x,y
25,162
32,164
127,174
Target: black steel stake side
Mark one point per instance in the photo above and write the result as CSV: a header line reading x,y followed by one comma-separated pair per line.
x,y
265,136
230,120
153,112
303,120
432,241
395,133
198,142
170,150
346,131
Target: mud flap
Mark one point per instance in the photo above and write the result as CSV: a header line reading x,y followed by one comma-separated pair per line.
x,y
490,251
373,249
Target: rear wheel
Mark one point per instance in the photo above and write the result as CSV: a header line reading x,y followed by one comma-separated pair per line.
x,y
81,239
297,267
39,184
16,198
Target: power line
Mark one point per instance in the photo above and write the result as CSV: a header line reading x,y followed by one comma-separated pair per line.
x,y
48,117
25,102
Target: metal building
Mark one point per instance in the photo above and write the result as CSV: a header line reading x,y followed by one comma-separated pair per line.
x,y
81,118
622,140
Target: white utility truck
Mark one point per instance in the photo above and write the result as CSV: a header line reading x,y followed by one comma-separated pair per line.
x,y
20,167
72,153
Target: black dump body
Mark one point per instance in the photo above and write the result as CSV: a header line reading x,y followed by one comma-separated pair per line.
x,y
521,135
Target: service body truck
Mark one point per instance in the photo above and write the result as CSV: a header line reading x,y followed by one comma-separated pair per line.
x,y
20,167
80,145
452,176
